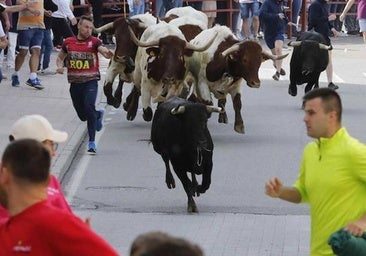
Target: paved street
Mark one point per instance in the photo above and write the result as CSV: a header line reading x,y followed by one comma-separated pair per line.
x,y
226,229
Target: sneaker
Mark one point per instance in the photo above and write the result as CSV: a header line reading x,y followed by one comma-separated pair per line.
x,y
100,120
276,76
92,148
15,80
332,86
45,72
35,83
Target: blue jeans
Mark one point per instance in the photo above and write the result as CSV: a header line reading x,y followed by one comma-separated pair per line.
x,y
83,96
46,49
296,7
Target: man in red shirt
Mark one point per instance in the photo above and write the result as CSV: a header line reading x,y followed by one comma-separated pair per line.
x,y
81,54
35,227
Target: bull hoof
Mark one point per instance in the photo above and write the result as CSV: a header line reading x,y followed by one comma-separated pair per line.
x,y
110,101
292,90
239,128
116,104
223,118
125,106
192,207
131,115
147,115
170,182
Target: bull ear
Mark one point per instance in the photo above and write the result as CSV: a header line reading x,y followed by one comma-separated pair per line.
x,y
178,110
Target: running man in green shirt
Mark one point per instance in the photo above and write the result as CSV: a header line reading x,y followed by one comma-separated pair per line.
x,y
332,176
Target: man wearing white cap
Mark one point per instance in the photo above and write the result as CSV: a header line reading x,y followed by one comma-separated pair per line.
x,y
38,128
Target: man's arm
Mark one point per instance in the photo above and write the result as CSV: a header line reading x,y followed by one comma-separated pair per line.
x,y
60,62
274,188
107,53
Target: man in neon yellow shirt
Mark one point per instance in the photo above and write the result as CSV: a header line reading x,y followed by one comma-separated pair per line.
x,y
332,176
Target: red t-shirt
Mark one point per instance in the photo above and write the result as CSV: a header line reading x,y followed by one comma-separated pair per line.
x,y
82,59
55,197
44,230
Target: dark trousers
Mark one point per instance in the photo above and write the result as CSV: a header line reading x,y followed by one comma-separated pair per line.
x,y
61,30
83,96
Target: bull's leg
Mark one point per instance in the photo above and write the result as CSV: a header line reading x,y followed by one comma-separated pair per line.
x,y
133,104
195,184
292,89
169,179
222,116
239,124
108,92
118,94
146,103
309,86
188,188
206,178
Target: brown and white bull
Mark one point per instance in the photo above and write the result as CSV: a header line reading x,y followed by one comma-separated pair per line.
x,y
123,63
220,69
161,63
188,11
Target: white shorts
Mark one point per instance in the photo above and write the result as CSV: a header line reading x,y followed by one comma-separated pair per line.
x,y
362,23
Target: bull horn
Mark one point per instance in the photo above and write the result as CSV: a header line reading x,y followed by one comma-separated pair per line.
x,y
324,47
294,43
274,57
211,109
202,48
104,28
233,48
178,110
139,43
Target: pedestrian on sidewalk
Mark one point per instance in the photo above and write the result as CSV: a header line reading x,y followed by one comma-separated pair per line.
x,y
81,54
30,35
332,177
249,12
38,128
319,21
47,44
361,15
273,18
35,227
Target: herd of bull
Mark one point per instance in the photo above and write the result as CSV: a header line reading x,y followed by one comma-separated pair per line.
x,y
180,64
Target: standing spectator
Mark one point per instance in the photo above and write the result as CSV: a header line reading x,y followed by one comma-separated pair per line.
x,y
38,128
60,22
136,7
83,74
30,35
35,227
47,44
361,15
319,20
211,7
332,174
274,20
249,9
12,35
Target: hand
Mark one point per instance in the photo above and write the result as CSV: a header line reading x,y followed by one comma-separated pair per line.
x,y
356,228
109,54
342,17
60,70
332,17
281,16
335,32
74,21
274,187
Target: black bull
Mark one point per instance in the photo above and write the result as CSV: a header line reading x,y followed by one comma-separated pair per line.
x,y
309,58
180,135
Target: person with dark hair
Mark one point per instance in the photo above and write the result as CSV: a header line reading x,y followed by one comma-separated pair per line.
x,y
35,227
319,21
332,177
161,244
81,54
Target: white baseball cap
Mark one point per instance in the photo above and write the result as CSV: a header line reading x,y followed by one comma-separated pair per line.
x,y
36,127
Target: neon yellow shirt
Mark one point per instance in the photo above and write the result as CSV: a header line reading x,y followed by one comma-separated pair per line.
x,y
332,180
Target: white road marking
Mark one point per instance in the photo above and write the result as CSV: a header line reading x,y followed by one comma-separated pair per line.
x,y
81,169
